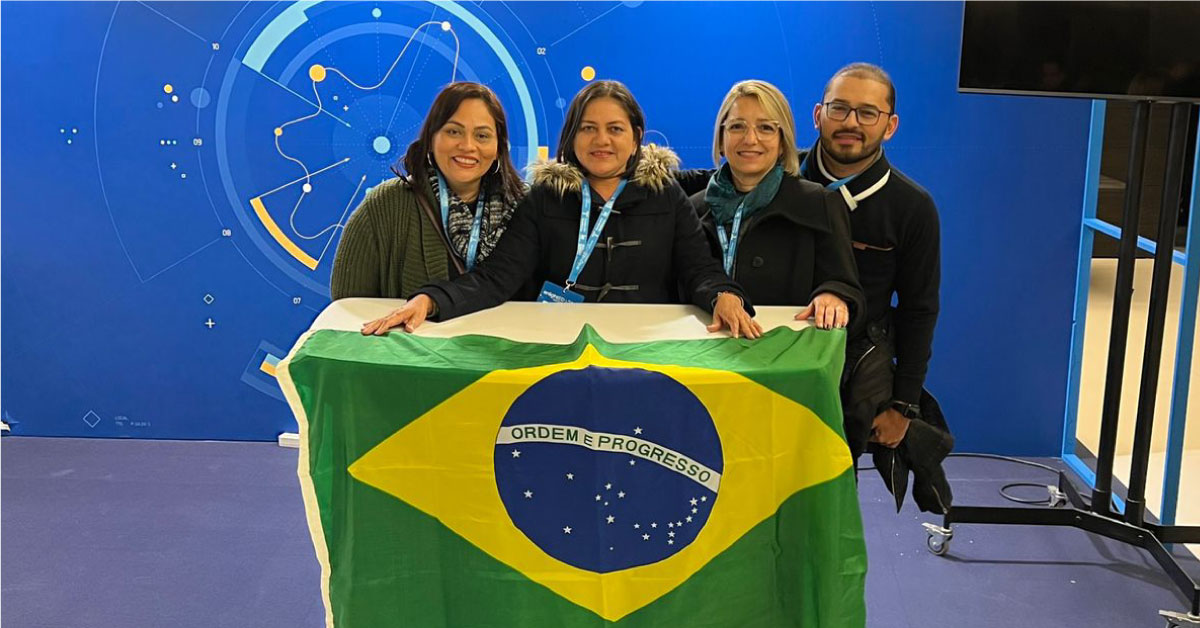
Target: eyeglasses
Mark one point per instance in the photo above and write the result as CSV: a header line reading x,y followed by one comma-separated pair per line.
x,y
867,115
764,130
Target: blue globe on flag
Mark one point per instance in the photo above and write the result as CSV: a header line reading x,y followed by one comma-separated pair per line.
x,y
608,468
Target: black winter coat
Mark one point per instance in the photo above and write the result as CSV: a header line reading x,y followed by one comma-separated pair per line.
x,y
652,244
793,249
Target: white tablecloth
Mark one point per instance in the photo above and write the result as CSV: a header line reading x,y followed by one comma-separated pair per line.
x,y
558,323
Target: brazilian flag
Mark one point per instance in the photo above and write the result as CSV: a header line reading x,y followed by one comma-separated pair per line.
x,y
477,481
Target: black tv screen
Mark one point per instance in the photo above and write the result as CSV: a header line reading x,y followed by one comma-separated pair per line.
x,y
1111,50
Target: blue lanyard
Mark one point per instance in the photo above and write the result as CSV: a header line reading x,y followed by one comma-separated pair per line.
x,y
473,243
840,182
832,186
729,242
587,243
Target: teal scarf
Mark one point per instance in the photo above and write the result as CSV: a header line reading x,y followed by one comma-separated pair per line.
x,y
723,198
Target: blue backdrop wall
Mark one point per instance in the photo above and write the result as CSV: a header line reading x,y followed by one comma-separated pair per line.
x,y
158,252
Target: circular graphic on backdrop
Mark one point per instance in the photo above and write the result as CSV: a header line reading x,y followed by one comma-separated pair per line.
x,y
320,99
607,469
281,118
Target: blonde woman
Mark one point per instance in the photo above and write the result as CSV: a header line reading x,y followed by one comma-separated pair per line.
x,y
784,239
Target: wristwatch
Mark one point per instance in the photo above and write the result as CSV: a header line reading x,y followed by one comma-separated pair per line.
x,y
907,410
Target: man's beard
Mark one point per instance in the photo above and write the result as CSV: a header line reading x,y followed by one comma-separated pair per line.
x,y
847,158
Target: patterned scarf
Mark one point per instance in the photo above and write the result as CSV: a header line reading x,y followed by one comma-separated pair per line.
x,y
723,198
497,211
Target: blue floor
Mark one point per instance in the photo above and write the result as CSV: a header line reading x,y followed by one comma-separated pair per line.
x,y
99,533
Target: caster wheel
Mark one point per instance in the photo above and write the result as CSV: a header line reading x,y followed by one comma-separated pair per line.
x,y
939,545
938,540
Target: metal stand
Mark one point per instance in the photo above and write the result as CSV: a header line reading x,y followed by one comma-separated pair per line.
x,y
1099,517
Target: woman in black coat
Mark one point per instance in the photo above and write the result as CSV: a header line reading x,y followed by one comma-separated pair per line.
x,y
784,239
606,222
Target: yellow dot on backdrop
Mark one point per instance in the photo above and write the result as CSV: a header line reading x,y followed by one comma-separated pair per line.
x,y
317,72
278,131
588,73
168,89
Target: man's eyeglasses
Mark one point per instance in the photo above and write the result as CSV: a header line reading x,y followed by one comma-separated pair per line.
x,y
764,130
867,115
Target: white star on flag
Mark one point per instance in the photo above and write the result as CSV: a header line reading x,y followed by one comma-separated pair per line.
x,y
611,518
516,453
654,525
632,462
637,430
621,495
704,498
570,476
670,524
608,486
528,494
693,500
567,529
636,526
597,498
689,519
645,537
671,534
693,511
670,541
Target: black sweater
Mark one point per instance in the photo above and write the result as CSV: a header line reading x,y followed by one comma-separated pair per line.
x,y
651,245
897,246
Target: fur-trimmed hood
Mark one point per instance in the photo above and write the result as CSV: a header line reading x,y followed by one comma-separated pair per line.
x,y
654,171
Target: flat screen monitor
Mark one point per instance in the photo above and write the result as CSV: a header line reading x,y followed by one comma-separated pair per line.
x,y
1109,50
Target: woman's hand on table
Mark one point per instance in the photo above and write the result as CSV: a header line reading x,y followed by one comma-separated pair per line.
x,y
410,316
728,312
827,310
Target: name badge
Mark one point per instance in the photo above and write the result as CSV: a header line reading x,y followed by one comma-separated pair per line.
x,y
553,293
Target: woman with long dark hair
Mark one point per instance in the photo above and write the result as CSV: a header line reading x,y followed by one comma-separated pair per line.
x,y
446,209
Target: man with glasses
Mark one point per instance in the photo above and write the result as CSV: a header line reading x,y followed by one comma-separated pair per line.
x,y
895,233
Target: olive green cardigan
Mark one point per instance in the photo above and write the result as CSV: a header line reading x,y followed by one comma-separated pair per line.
x,y
390,246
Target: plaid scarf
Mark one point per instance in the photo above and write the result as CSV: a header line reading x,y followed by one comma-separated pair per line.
x,y
497,211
